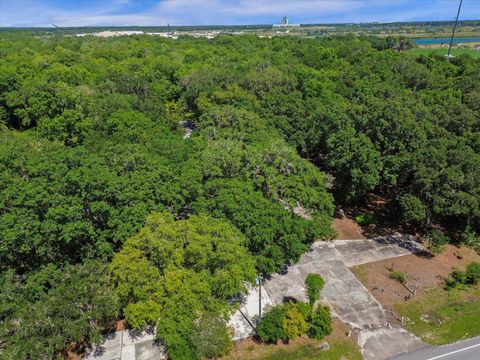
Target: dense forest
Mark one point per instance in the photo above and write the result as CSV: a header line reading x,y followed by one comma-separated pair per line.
x,y
108,211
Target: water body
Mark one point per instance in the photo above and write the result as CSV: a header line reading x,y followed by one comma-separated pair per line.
x,y
432,41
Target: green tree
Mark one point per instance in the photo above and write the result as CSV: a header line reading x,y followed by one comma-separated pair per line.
x,y
55,308
182,268
210,336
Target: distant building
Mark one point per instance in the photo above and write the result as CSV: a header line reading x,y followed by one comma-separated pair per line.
x,y
284,23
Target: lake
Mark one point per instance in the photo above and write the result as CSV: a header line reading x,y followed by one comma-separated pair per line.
x,y
432,41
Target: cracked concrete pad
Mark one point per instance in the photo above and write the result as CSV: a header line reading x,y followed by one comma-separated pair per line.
x,y
349,300
383,343
149,350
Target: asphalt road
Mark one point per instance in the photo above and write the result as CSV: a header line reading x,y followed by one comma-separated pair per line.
x,y
463,350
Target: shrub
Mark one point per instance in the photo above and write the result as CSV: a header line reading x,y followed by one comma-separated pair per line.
x,y
473,273
437,240
366,219
469,237
471,276
320,323
294,323
314,283
270,329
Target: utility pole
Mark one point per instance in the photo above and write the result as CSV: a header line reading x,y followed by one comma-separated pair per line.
x,y
58,29
454,29
259,282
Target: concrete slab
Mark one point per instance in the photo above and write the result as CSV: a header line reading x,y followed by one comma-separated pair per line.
x,y
349,300
132,337
128,352
149,350
104,353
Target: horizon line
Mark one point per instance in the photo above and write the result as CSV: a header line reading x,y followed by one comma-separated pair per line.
x,y
237,25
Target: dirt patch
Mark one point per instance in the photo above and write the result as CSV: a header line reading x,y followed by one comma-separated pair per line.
x,y
251,349
428,272
347,229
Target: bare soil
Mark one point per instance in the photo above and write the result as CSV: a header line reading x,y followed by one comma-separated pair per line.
x,y
347,229
427,271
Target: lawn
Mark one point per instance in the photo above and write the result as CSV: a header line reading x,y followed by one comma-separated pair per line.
x,y
339,350
444,51
301,350
341,347
452,315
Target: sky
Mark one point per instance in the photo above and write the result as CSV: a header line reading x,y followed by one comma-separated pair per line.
x,y
225,12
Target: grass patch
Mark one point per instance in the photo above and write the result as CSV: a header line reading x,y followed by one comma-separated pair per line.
x,y
444,51
398,276
450,315
339,350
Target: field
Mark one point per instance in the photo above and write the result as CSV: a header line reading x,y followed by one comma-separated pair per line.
x,y
444,51
443,317
434,314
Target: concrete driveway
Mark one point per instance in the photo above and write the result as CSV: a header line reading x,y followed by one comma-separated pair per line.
x,y
349,300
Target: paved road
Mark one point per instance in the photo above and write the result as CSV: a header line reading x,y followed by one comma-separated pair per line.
x,y
463,350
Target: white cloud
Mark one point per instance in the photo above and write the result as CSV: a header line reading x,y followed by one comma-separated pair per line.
x,y
203,12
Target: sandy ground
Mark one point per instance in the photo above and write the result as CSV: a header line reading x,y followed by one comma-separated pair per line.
x,y
430,272
347,229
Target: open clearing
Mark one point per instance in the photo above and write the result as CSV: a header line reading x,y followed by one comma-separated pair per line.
x,y
447,315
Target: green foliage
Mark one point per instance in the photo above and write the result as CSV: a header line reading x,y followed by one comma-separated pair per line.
x,y
458,278
293,319
210,336
90,144
399,276
314,284
473,273
271,329
320,323
55,307
294,323
172,270
366,219
437,240
413,208
470,238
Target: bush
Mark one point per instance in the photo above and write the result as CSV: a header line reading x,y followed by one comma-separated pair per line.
x,y
412,208
437,240
270,329
469,237
294,323
320,322
289,321
366,219
471,276
314,283
473,273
